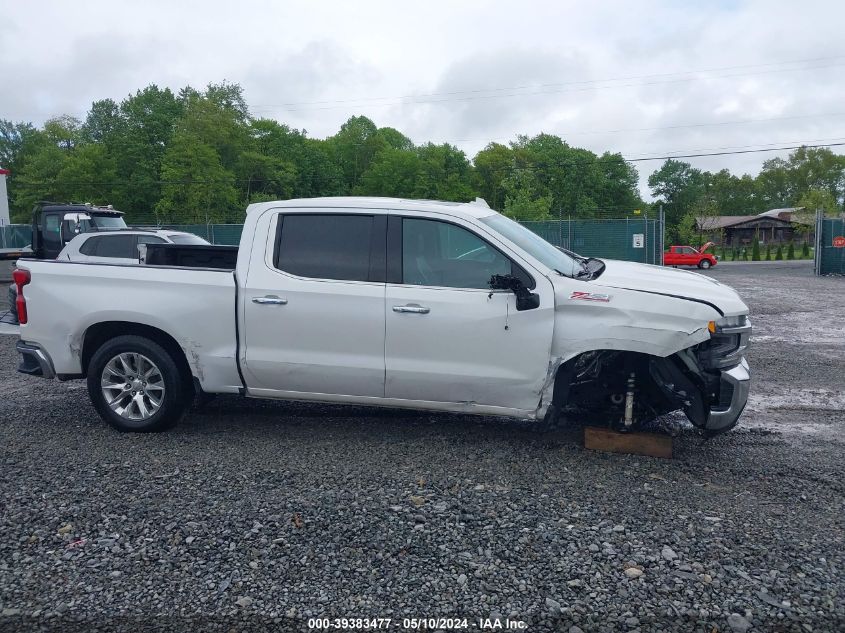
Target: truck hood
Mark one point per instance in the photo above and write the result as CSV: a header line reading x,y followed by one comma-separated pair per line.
x,y
670,282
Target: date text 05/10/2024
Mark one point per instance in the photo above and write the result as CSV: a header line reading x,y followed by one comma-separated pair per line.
x,y
418,624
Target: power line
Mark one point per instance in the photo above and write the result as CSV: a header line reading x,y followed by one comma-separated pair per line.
x,y
670,127
734,152
541,89
568,83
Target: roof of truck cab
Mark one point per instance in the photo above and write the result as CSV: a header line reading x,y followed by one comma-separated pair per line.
x,y
477,209
73,207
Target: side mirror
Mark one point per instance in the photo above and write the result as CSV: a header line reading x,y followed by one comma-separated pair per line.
x,y
69,230
525,299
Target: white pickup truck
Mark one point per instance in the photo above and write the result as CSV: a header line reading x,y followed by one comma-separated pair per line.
x,y
397,303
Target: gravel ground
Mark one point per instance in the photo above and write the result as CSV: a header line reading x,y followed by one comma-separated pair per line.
x,y
258,515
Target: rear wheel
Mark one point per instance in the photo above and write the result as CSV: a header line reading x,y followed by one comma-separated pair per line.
x,y
135,385
704,263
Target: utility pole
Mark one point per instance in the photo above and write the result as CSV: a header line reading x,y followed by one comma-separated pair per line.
x,y
4,207
662,220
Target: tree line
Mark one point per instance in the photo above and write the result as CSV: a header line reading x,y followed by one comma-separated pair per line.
x,y
198,156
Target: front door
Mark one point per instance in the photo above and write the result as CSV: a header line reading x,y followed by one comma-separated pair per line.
x,y
449,338
314,308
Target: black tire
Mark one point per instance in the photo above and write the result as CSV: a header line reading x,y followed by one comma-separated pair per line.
x,y
174,401
704,264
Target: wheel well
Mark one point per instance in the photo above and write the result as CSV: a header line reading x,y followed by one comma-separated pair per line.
x,y
597,365
98,334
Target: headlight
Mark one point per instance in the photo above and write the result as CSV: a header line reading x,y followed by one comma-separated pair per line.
x,y
728,340
730,325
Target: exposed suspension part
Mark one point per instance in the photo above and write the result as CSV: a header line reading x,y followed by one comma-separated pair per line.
x,y
629,401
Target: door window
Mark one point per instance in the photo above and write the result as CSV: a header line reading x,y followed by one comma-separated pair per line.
x,y
150,239
89,246
441,254
52,230
116,246
325,246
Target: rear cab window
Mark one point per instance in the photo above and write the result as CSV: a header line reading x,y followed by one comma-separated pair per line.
x,y
334,246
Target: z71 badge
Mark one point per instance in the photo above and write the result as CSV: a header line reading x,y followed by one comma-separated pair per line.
x,y
589,296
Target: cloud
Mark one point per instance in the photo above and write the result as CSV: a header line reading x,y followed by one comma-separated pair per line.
x,y
646,69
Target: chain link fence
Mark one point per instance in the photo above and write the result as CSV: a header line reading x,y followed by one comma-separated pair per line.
x,y
631,239
830,245
635,239
15,236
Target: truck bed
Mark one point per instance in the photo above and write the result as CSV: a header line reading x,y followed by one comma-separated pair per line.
x,y
196,307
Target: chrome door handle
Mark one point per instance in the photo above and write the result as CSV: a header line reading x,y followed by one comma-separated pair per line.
x,y
412,308
270,300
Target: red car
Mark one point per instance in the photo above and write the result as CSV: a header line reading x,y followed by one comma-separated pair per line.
x,y
689,256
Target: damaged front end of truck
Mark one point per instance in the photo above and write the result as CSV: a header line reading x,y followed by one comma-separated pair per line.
x,y
708,381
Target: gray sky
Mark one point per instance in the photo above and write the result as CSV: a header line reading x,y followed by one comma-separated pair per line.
x,y
639,77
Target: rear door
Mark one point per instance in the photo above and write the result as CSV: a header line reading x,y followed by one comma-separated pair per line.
x,y
449,338
314,308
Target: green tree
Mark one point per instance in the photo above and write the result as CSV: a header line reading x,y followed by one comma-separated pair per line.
x,y
525,197
103,124
779,253
769,252
218,118
784,182
492,165
64,131
18,141
818,199
355,146
702,226
732,195
790,250
678,185
394,139
149,120
197,188
13,139
87,175
755,250
265,177
393,173
317,172
444,174
686,231
805,250
37,177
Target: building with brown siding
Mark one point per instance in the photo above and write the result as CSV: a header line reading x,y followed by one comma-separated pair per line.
x,y
776,226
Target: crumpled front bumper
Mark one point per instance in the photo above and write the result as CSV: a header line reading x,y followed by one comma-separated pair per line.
x,y
735,384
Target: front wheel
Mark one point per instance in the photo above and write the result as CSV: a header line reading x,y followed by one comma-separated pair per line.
x,y
135,385
704,264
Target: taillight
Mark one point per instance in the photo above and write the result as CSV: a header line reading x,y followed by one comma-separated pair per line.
x,y
21,278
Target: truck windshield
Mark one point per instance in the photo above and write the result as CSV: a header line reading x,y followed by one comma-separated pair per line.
x,y
535,245
186,239
105,222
